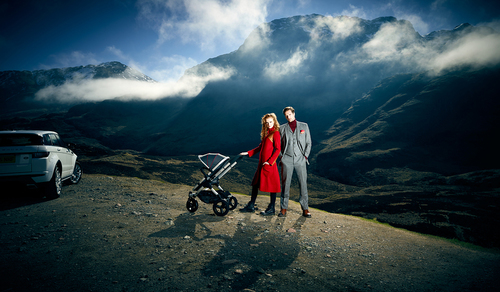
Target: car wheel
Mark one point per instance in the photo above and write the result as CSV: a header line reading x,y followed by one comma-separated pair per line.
x,y
54,186
77,174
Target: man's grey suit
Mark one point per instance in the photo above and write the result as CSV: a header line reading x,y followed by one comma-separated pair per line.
x,y
295,149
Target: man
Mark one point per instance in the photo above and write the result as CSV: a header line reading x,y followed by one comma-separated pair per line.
x,y
295,149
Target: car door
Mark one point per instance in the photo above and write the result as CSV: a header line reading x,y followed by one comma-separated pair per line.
x,y
65,155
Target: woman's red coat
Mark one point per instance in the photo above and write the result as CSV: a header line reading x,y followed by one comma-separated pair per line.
x,y
267,176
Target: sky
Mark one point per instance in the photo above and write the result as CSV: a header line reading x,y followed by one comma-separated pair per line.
x,y
163,38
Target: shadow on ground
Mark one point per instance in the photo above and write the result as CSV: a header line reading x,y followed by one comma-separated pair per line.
x,y
15,196
255,248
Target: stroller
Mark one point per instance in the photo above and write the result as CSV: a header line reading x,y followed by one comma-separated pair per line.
x,y
217,166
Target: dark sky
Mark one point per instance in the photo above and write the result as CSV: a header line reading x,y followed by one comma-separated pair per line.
x,y
162,38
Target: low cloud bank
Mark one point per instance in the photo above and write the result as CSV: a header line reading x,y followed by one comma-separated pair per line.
x,y
473,50
128,89
476,48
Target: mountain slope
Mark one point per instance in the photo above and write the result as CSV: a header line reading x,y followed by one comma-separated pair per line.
x,y
321,66
446,124
317,64
298,61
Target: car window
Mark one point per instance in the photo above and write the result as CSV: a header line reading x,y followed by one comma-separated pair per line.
x,y
46,140
61,142
55,140
20,140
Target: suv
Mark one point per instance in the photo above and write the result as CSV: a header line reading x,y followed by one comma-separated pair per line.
x,y
38,159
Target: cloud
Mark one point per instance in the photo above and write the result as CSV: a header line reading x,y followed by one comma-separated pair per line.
x,y
118,53
162,69
341,27
279,70
475,50
303,3
354,11
169,69
257,40
390,42
396,46
208,23
395,43
78,90
418,23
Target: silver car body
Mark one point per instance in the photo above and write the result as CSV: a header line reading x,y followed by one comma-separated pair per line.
x,y
32,156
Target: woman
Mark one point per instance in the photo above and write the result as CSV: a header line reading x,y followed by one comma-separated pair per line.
x,y
266,178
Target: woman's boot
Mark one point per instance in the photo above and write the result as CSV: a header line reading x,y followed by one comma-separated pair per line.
x,y
270,208
269,211
250,207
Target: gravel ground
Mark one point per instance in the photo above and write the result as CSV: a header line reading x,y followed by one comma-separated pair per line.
x,y
128,234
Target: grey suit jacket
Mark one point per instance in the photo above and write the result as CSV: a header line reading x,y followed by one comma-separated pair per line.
x,y
303,138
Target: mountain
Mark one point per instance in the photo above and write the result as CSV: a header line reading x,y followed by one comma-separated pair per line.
x,y
319,65
347,78
413,122
296,61
18,88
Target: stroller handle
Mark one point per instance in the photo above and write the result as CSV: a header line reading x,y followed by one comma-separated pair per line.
x,y
231,161
237,157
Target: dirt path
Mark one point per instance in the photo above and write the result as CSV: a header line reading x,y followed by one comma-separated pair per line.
x,y
127,234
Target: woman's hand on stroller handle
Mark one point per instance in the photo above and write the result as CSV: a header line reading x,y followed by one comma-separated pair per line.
x,y
244,153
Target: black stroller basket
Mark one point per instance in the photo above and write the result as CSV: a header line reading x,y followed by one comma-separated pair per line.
x,y
215,167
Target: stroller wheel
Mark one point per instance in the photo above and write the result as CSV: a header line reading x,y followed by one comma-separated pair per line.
x,y
233,203
221,208
192,205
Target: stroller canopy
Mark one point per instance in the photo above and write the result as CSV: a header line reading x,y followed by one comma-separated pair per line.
x,y
212,160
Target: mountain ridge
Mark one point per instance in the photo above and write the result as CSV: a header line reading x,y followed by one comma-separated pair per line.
x,y
442,124
320,65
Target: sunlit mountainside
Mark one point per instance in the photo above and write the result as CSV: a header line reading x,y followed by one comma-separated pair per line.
x,y
376,94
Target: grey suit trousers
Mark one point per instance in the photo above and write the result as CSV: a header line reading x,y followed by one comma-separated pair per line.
x,y
288,165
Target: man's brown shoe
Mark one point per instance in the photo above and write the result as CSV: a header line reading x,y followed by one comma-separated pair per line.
x,y
306,213
282,213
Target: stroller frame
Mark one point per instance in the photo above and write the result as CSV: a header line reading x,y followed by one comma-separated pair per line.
x,y
217,166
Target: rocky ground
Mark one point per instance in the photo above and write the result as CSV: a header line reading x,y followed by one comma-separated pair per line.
x,y
463,207
120,233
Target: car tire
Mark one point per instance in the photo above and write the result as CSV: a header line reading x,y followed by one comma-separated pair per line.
x,y
54,186
77,174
